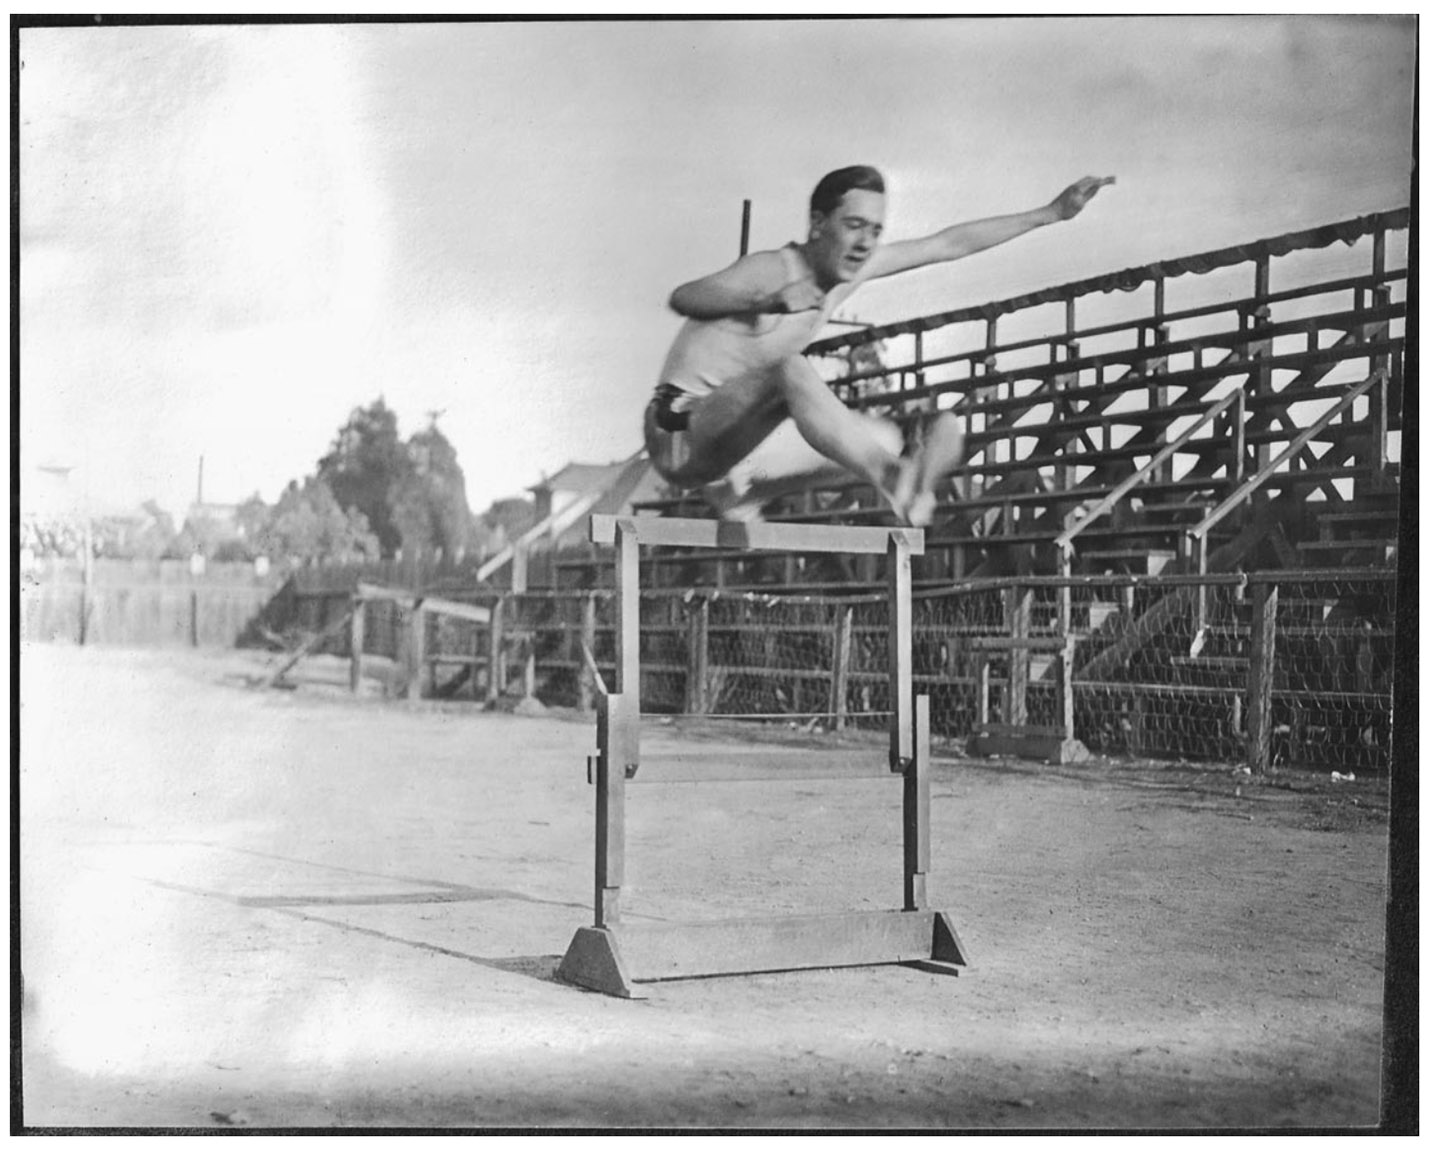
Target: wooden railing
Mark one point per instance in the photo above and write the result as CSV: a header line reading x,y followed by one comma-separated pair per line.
x,y
1200,532
1065,543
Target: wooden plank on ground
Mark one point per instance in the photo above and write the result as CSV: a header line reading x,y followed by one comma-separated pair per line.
x,y
731,946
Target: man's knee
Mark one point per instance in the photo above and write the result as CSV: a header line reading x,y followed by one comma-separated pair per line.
x,y
797,371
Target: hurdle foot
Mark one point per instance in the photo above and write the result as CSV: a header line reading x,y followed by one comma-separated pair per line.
x,y
594,961
945,945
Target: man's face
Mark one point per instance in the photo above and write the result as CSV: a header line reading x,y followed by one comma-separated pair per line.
x,y
841,242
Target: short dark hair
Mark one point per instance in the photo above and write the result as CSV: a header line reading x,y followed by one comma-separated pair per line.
x,y
833,186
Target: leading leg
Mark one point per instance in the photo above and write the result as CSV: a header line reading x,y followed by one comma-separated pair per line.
x,y
842,435
785,463
729,424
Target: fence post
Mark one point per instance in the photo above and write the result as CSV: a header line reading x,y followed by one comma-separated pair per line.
x,y
1262,677
1065,672
415,652
87,582
527,645
496,685
520,569
357,641
404,648
587,646
840,665
1019,604
698,667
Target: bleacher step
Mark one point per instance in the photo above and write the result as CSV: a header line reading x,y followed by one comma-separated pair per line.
x,y
1389,515
1150,561
1386,547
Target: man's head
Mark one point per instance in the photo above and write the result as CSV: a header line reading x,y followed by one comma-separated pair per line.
x,y
847,213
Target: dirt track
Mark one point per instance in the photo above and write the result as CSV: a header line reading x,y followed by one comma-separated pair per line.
x,y
243,907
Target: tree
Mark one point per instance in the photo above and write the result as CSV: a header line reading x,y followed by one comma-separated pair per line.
x,y
427,502
251,516
364,467
308,525
501,524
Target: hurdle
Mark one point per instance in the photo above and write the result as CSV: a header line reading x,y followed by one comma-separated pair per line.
x,y
614,955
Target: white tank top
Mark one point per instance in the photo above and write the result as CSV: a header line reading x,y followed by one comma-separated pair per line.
x,y
706,354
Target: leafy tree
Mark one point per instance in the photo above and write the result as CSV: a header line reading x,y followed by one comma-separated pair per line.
x,y
156,534
201,534
502,523
427,502
251,516
307,524
365,464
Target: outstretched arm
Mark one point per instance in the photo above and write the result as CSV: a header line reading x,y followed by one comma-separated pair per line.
x,y
973,236
757,283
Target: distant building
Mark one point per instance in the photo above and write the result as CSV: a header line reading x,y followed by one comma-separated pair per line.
x,y
562,505
615,489
213,529
57,518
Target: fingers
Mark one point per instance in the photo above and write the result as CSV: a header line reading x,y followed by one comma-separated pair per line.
x,y
1092,185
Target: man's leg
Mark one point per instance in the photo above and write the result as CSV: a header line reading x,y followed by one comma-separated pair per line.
x,y
784,463
727,426
843,435
940,451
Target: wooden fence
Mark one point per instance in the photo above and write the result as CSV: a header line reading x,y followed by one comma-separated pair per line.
x,y
142,603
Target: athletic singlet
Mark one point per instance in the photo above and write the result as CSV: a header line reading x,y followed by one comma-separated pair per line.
x,y
707,354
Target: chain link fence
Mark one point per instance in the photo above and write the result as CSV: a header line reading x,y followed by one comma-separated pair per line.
x,y
1275,669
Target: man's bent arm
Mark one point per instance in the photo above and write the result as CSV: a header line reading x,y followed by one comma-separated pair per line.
x,y
975,236
756,283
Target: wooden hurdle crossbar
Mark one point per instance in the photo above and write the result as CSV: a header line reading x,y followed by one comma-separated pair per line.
x,y
614,955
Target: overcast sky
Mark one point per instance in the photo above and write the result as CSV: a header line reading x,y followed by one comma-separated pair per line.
x,y
231,236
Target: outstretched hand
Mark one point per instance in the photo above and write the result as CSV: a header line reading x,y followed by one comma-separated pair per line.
x,y
1078,195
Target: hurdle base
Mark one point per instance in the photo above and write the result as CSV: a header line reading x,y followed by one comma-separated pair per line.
x,y
615,959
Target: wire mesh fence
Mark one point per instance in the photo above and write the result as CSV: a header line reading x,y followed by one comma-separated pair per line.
x,y
1289,669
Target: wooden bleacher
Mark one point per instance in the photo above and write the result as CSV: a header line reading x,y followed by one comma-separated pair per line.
x,y
1060,416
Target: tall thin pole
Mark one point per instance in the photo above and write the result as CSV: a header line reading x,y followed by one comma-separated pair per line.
x,y
745,229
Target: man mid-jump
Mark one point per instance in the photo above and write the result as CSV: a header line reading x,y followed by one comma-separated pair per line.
x,y
742,413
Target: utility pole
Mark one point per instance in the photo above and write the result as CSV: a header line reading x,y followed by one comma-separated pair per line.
x,y
745,229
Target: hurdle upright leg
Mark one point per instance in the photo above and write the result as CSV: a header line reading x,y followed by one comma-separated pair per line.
x,y
916,810
594,959
902,692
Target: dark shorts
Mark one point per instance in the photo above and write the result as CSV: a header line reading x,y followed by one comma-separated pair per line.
x,y
667,439
669,419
